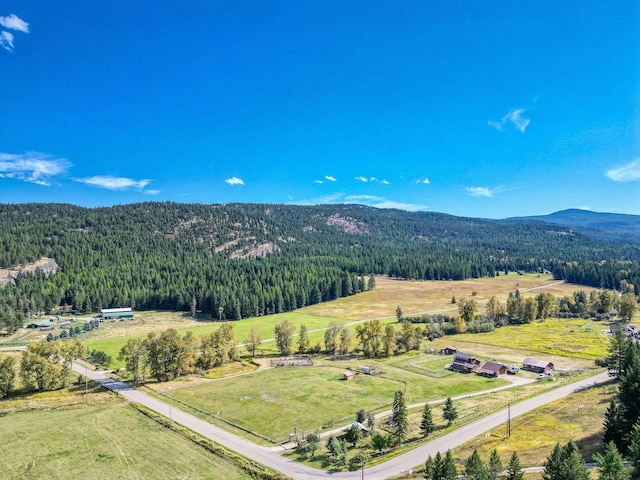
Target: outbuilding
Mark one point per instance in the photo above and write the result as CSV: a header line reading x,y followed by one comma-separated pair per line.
x,y
491,369
448,350
348,375
117,313
465,362
535,365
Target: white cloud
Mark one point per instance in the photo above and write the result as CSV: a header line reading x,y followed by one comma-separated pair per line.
x,y
319,181
11,22
386,182
381,202
424,181
32,167
373,179
115,183
234,181
151,192
6,41
14,23
626,173
513,116
361,179
330,178
480,192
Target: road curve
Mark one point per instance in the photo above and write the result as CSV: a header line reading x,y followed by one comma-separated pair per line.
x,y
395,466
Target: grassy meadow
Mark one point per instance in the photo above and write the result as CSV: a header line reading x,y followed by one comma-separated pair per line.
x,y
111,440
272,401
578,417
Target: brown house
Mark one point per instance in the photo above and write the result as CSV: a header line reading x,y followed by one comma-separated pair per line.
x,y
465,362
348,375
538,366
490,369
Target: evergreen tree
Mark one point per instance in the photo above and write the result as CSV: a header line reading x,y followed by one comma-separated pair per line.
x,y
427,425
494,468
429,468
611,466
614,425
553,464
399,417
633,441
449,412
449,470
514,471
474,468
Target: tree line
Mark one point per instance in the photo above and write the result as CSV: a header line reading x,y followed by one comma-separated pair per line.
x,y
210,258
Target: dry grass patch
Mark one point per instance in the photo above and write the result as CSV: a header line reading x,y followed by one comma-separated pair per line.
x,y
577,417
435,296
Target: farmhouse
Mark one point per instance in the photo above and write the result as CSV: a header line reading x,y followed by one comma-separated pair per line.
x,y
465,362
114,313
490,369
538,366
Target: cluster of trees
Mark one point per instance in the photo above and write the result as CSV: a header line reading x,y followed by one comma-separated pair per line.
x,y
167,355
203,257
443,467
47,365
622,418
519,310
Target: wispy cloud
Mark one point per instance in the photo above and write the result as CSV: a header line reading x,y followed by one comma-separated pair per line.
x,y
151,192
32,167
423,181
386,182
362,179
319,181
480,191
330,178
14,22
6,41
373,179
381,202
626,173
514,117
116,183
11,22
234,181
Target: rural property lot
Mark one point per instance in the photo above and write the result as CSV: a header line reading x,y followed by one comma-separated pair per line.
x,y
271,402
111,440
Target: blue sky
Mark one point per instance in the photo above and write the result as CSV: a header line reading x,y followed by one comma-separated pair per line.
x,y
475,108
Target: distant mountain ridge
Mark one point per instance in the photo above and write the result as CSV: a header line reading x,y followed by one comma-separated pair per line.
x,y
597,224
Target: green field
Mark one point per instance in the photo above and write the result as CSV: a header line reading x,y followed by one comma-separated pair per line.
x,y
576,338
271,402
111,342
111,440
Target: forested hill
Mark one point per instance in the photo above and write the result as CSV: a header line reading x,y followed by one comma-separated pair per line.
x,y
596,224
241,260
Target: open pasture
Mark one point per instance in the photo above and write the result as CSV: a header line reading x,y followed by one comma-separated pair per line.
x,y
575,338
111,440
271,402
113,337
435,296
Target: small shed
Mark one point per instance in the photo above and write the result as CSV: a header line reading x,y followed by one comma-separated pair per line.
x,y
535,365
491,369
448,350
348,375
365,431
115,313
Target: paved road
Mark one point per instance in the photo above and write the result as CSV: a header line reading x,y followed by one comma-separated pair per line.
x,y
395,466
